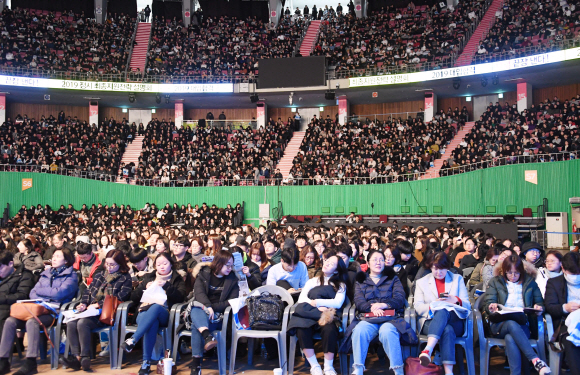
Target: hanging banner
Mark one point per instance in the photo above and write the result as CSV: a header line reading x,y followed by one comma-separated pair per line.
x,y
178,114
94,113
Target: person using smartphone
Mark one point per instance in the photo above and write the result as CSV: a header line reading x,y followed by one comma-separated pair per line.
x,y
441,326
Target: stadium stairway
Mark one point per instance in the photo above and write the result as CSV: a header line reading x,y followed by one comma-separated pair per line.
x,y
285,164
480,32
139,55
310,38
132,152
438,163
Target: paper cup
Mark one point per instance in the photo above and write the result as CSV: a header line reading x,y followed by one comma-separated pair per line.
x,y
167,366
277,371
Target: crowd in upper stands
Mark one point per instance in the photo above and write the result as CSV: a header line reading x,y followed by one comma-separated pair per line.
x,y
502,135
370,151
385,41
64,41
218,46
396,37
211,156
529,23
376,268
56,144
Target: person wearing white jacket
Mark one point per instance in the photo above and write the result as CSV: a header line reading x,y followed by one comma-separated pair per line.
x,y
441,325
334,273
553,269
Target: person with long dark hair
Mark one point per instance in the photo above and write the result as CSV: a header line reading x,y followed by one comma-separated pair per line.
x,y
115,279
326,293
215,284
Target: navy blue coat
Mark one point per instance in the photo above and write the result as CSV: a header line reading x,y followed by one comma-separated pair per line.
x,y
60,289
388,290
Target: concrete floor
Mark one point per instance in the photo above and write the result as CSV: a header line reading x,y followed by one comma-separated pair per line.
x,y
260,366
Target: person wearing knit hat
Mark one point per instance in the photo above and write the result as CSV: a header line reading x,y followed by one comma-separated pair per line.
x,y
534,253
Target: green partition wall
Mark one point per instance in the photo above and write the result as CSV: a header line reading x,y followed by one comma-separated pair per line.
x,y
465,194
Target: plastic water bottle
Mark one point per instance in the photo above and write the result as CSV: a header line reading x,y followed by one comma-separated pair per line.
x,y
263,352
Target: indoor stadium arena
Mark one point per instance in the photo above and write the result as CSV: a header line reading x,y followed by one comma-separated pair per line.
x,y
354,187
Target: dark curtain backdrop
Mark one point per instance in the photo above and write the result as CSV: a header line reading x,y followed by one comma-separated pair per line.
x,y
122,6
77,6
235,8
167,9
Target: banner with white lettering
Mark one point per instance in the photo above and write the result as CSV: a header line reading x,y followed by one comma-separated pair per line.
x,y
94,113
178,115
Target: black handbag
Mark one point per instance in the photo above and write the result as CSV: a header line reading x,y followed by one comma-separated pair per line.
x,y
557,340
489,319
265,311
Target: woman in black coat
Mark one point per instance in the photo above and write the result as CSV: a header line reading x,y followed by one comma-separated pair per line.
x,y
151,316
215,285
562,298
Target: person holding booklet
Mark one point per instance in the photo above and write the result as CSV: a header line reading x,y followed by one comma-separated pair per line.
x,y
154,311
58,284
515,289
215,284
115,280
319,300
376,292
442,305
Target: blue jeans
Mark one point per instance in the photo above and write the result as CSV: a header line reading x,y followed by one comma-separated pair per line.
x,y
516,339
199,319
365,332
445,327
148,323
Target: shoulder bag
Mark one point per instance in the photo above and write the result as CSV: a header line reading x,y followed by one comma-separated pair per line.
x,y
109,310
30,310
413,366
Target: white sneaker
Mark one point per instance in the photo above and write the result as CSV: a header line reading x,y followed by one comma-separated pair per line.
x,y
316,371
357,369
329,372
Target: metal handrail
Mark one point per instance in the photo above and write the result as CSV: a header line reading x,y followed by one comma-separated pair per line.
x,y
132,46
233,124
302,35
216,182
383,115
526,51
331,74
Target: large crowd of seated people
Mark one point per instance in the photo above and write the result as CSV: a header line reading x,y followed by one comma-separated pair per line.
x,y
65,145
55,41
219,46
369,152
503,136
211,156
396,37
377,268
528,24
